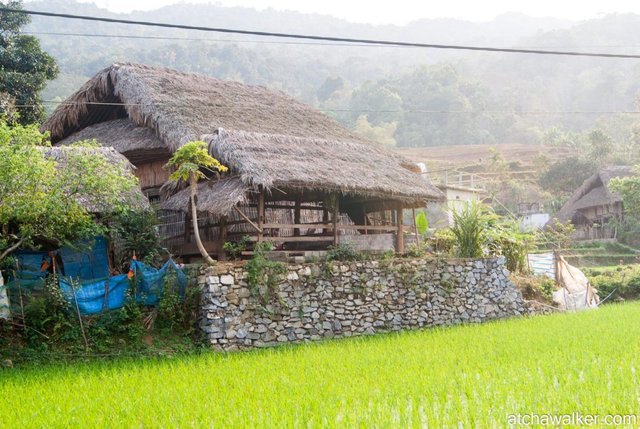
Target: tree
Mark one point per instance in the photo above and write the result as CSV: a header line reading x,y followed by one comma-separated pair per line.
x,y
187,162
43,201
24,67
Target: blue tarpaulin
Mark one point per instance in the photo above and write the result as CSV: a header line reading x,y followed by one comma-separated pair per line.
x,y
87,281
96,296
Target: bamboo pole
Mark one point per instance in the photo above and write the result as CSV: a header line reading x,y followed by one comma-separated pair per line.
x,y
75,299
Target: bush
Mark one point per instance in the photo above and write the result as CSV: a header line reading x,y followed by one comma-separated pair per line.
x,y
620,282
343,252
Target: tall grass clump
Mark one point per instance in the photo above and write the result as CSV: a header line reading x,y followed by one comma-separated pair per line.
x,y
470,229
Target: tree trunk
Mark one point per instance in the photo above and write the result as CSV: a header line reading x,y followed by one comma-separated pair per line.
x,y
193,184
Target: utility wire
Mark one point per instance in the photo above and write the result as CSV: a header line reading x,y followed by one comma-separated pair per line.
x,y
471,112
444,112
278,42
320,38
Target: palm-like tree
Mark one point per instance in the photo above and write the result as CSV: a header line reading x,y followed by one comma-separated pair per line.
x,y
187,163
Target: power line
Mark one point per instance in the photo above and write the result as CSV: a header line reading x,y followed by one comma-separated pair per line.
x,y
277,42
320,38
526,112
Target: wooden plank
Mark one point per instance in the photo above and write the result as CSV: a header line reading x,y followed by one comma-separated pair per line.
x,y
222,255
389,228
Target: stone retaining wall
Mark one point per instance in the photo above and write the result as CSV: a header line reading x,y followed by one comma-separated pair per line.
x,y
342,299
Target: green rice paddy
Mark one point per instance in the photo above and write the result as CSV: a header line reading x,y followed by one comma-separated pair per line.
x,y
465,376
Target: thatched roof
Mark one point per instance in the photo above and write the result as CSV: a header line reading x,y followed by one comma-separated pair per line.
x,y
138,144
61,155
213,197
594,192
179,107
272,140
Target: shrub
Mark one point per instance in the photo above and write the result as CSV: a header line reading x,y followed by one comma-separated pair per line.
x,y
343,252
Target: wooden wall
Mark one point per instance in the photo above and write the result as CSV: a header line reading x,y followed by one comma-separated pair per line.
x,y
152,174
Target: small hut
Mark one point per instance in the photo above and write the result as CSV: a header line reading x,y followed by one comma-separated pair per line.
x,y
296,177
593,205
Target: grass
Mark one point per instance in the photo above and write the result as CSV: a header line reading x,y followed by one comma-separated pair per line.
x,y
467,376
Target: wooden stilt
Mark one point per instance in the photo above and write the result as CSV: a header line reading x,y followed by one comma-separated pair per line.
x,y
336,212
260,215
296,217
400,230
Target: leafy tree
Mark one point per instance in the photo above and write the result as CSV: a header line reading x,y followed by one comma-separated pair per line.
x,y
378,102
329,87
187,162
566,175
600,147
383,133
629,188
42,201
24,67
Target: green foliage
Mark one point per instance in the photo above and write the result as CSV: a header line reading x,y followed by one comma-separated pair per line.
x,y
235,248
566,175
443,241
41,202
621,282
25,68
376,381
537,288
189,159
422,223
558,235
382,133
136,233
263,274
343,252
471,227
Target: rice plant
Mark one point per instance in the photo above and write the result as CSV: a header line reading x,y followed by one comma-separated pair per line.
x,y
464,376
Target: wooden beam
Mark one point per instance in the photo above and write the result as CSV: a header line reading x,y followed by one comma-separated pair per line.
x,y
297,239
325,219
400,230
245,217
389,228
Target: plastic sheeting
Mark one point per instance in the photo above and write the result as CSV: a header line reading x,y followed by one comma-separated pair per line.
x,y
96,296
575,293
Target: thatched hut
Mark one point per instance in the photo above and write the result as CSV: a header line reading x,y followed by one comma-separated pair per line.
x,y
296,177
593,205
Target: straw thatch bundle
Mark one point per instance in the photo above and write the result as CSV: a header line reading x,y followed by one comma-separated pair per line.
x,y
594,192
138,144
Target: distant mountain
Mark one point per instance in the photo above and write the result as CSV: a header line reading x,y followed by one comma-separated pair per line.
x,y
437,96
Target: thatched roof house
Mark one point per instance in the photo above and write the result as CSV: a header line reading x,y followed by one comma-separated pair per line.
x,y
274,145
593,205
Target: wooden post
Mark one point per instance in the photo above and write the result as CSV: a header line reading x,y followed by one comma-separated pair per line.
x,y
222,238
364,216
336,212
187,227
260,214
325,220
399,230
296,217
415,225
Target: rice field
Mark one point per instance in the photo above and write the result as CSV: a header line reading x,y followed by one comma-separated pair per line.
x,y
465,376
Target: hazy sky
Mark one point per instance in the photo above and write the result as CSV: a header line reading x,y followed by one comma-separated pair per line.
x,y
403,11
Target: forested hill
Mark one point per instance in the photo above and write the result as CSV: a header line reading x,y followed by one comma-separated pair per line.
x,y
403,96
